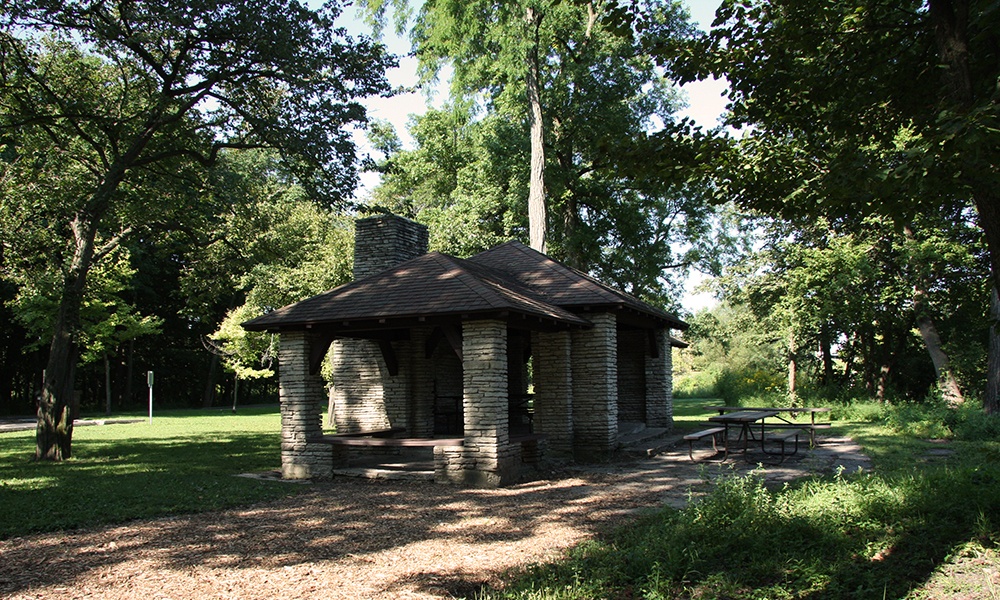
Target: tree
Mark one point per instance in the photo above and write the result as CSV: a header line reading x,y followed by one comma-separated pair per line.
x,y
106,99
274,246
859,108
853,294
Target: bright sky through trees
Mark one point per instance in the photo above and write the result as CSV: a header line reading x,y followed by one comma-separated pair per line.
x,y
705,104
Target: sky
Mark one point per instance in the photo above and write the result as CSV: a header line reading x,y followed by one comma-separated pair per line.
x,y
705,104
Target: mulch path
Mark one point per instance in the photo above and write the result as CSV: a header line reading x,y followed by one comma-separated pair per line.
x,y
352,538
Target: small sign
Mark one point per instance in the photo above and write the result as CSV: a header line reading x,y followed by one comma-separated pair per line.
x,y
149,380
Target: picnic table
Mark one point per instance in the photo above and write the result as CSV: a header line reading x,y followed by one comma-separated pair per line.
x,y
785,417
747,419
744,419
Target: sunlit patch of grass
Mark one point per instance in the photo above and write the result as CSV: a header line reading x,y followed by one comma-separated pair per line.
x,y
184,462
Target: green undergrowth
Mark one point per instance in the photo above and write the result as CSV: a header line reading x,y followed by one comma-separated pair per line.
x,y
184,462
881,534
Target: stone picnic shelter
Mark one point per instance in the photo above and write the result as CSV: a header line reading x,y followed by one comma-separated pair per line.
x,y
504,361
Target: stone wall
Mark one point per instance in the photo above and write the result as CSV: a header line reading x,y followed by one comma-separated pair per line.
x,y
358,392
553,381
301,395
595,388
659,387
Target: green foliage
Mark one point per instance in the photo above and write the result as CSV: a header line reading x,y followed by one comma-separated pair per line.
x,y
843,537
606,109
185,462
273,247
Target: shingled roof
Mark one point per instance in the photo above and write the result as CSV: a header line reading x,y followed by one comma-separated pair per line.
x,y
431,285
564,286
509,280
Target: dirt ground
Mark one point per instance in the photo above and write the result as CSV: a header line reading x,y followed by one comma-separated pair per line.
x,y
353,538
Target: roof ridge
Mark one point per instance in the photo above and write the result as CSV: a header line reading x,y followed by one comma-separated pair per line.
x,y
475,285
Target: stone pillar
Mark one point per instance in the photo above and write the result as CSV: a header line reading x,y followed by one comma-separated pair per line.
x,y
659,392
595,388
357,393
301,395
488,460
553,379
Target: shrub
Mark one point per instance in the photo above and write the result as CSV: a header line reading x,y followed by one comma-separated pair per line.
x,y
696,384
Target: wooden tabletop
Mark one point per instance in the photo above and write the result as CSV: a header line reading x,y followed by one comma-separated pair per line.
x,y
744,416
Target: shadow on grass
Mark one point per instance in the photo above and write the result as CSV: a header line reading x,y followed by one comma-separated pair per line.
x,y
117,480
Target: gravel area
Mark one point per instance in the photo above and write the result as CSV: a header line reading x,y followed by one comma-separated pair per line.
x,y
354,538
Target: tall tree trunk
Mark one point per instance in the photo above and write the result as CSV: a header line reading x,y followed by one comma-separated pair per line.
x,y
944,376
946,381
208,396
826,354
991,401
54,432
537,225
129,374
107,385
571,222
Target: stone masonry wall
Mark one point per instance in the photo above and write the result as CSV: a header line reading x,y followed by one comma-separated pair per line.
x,y
383,241
595,388
301,395
659,398
633,349
487,459
553,380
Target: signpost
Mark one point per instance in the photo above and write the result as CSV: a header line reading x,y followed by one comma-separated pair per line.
x,y
149,380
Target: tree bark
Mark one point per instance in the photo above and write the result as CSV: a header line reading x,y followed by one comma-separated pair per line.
x,y
991,400
945,377
54,432
208,396
537,218
107,385
826,354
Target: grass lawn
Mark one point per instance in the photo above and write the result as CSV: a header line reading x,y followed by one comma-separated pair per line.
x,y
184,462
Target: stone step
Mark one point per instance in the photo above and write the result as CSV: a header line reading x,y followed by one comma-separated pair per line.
x,y
648,442
378,473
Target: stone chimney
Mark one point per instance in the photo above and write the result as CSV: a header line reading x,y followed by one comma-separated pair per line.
x,y
383,241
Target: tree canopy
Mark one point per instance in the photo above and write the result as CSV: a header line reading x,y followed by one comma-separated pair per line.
x,y
106,103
